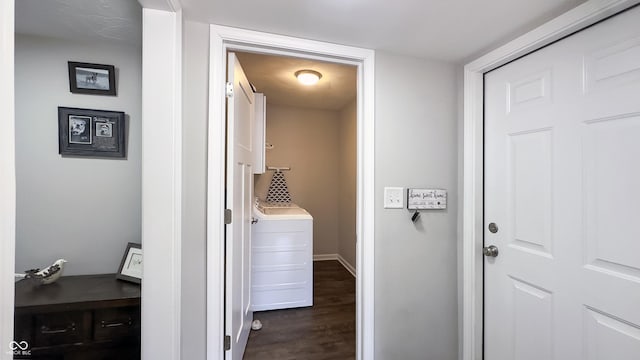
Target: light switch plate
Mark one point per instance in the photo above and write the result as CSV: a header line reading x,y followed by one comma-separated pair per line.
x,y
393,198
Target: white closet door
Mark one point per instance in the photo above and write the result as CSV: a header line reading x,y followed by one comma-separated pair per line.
x,y
562,186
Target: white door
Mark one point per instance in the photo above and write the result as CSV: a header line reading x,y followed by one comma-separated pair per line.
x,y
240,116
562,186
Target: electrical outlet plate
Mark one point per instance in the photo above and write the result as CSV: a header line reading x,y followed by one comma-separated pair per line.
x,y
393,198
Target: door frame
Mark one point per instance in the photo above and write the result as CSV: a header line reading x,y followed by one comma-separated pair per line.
x,y
224,38
7,175
570,22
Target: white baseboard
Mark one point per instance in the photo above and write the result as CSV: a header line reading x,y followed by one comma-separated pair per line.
x,y
324,257
350,268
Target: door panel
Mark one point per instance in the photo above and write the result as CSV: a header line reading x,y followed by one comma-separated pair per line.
x,y
239,185
610,338
562,182
530,182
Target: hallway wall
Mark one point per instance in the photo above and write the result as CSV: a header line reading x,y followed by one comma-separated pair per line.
x,y
195,99
416,264
348,164
82,209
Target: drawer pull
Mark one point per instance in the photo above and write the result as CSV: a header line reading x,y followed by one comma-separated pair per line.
x,y
105,324
46,330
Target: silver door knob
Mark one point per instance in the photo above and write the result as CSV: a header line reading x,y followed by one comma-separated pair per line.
x,y
490,250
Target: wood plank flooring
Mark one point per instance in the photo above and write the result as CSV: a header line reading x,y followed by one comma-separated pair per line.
x,y
325,331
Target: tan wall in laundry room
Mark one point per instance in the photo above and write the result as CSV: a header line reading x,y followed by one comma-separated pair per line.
x,y
307,141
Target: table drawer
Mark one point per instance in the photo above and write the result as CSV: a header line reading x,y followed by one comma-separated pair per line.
x,y
109,324
59,328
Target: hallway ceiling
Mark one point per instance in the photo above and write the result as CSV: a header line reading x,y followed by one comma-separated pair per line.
x,y
454,31
81,20
274,76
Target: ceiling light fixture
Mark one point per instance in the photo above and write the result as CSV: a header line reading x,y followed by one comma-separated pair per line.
x,y
308,77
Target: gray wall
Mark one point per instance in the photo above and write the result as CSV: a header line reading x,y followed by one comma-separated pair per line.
x,y
194,227
416,298
348,165
82,209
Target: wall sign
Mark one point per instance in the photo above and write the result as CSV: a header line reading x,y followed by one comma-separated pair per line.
x,y
424,199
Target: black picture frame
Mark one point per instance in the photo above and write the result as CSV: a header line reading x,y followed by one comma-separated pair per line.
x,y
93,133
94,79
131,265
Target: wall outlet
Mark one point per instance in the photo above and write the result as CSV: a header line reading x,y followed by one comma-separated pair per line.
x,y
393,198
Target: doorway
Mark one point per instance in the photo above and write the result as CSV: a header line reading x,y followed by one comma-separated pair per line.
x,y
225,39
310,146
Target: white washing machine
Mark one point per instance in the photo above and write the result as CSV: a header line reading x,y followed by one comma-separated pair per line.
x,y
281,257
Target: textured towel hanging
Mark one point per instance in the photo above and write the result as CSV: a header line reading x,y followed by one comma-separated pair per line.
x,y
278,190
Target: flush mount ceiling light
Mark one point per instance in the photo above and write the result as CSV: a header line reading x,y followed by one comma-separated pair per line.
x,y
308,77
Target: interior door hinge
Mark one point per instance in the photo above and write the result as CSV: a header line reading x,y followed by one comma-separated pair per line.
x,y
227,343
229,89
227,216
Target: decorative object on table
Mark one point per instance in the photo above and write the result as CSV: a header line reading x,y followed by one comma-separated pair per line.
x,y
95,79
94,133
131,264
47,275
278,192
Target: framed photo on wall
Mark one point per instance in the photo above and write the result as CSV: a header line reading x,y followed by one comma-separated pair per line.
x,y
131,264
95,133
95,79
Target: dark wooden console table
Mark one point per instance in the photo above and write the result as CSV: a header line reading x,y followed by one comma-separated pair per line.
x,y
93,317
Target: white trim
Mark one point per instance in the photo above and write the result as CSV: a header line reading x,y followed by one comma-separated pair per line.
x,y
336,257
164,5
7,176
161,183
350,268
568,23
223,38
325,257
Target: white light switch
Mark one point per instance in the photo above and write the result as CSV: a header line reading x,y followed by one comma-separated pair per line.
x,y
393,198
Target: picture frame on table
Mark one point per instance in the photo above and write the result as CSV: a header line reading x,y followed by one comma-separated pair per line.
x,y
93,133
93,79
131,265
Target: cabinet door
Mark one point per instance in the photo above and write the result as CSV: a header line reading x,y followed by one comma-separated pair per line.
x,y
259,134
22,328
59,328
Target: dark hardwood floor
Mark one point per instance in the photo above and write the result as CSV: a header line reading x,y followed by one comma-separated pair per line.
x,y
325,331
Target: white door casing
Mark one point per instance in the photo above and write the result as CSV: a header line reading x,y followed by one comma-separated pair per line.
x,y
240,121
225,39
562,130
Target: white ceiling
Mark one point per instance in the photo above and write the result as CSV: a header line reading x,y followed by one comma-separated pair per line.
x,y
81,20
451,30
274,76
